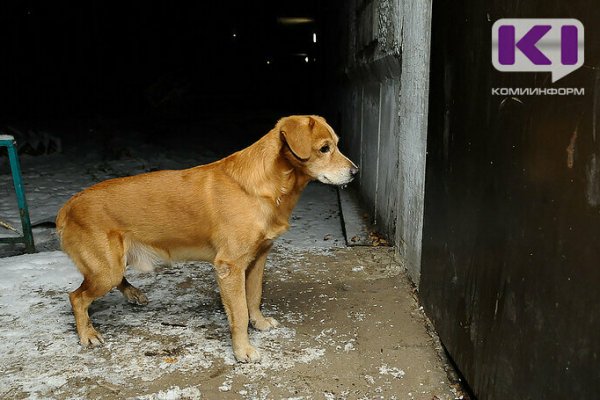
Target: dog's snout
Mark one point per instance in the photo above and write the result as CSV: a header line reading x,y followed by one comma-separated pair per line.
x,y
353,170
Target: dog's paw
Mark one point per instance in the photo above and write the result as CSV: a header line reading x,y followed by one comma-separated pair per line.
x,y
247,354
91,338
135,295
265,323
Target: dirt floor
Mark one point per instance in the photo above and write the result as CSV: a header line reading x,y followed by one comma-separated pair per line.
x,y
350,329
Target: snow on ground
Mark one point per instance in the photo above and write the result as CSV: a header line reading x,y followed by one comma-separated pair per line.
x,y
315,222
183,329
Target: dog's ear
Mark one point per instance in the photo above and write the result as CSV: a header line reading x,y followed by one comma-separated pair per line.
x,y
297,134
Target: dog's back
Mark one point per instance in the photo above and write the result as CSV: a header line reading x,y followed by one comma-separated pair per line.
x,y
144,213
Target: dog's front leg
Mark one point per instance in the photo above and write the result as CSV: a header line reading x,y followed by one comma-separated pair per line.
x,y
254,282
232,283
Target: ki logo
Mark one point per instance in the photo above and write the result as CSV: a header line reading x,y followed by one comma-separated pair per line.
x,y
538,45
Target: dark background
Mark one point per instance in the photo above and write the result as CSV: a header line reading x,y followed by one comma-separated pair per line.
x,y
166,69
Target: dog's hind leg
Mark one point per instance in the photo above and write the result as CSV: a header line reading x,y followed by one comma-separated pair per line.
x,y
102,266
131,293
81,299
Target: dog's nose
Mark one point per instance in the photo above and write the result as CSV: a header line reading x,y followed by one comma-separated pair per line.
x,y
353,170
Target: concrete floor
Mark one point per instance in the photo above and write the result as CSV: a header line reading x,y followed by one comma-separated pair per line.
x,y
350,325
351,329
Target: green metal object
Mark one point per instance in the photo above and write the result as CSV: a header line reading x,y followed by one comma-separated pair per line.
x,y
27,238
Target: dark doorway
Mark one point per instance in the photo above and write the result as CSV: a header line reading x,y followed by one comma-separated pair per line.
x,y
215,75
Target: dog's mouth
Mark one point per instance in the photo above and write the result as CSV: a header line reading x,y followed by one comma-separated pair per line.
x,y
344,184
325,179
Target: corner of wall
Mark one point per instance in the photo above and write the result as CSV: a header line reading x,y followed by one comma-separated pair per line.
x,y
384,114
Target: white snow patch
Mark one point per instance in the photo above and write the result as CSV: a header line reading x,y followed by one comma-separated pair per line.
x,y
174,393
393,371
357,315
226,386
348,347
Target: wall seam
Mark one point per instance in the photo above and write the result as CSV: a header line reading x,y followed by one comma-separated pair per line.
x,y
375,211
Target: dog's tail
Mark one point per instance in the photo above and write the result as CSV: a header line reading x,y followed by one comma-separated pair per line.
x,y
62,218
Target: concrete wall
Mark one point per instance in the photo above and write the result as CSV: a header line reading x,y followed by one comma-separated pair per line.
x,y
383,111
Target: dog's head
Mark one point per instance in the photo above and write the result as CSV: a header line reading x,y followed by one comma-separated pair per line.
x,y
311,145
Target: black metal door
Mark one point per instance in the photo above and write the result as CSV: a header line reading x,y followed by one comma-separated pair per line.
x,y
511,240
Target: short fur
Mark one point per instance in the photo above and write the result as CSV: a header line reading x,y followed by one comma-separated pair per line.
x,y
227,212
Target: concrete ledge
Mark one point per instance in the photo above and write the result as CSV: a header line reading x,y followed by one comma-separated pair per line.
x,y
357,228
354,219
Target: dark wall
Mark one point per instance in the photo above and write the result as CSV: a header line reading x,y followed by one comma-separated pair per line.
x,y
511,240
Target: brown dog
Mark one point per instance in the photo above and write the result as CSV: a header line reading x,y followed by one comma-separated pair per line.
x,y
228,213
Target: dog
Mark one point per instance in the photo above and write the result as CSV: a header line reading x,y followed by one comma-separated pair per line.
x,y
228,213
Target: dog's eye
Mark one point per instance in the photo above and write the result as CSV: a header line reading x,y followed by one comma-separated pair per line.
x,y
325,149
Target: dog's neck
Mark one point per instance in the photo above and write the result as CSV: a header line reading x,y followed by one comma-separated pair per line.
x,y
263,170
